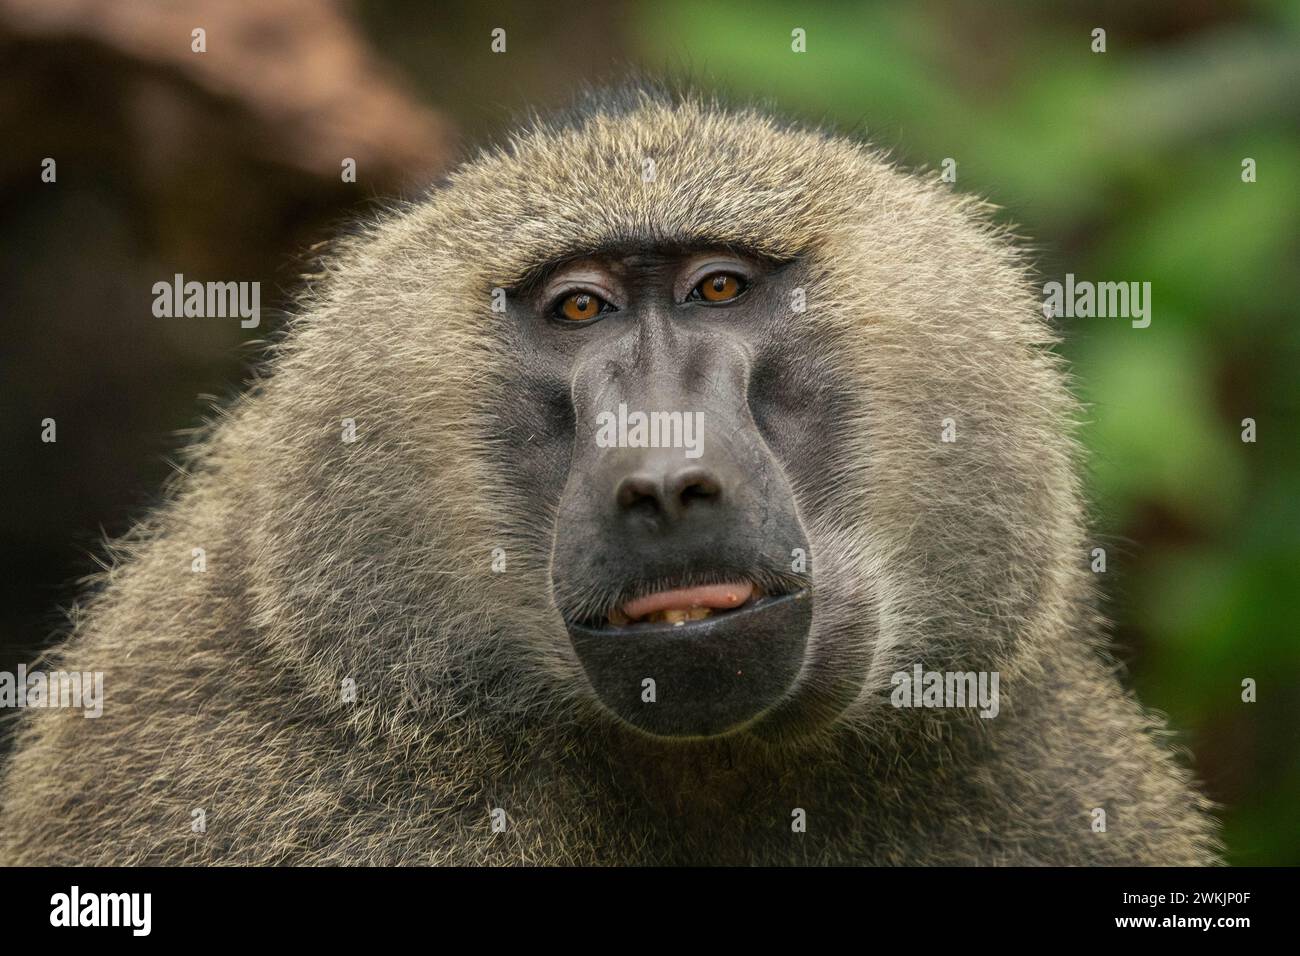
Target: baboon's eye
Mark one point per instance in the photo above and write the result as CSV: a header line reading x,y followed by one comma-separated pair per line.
x,y
719,287
581,306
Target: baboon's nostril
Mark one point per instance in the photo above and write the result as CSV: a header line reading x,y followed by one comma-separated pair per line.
x,y
695,485
640,493
670,495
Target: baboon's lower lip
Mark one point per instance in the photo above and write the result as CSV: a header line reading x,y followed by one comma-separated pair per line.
x,y
742,615
678,605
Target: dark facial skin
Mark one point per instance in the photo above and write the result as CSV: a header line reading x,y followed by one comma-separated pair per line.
x,y
638,329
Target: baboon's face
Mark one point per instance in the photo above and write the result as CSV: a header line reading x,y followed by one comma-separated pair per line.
x,y
762,428
679,554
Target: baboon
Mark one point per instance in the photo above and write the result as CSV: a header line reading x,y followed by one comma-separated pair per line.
x,y
459,607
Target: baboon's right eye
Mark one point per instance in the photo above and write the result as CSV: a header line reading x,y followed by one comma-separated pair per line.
x,y
580,307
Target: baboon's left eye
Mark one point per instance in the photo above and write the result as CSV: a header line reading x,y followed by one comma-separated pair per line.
x,y
719,287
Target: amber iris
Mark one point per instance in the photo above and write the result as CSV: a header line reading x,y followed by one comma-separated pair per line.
x,y
719,288
580,306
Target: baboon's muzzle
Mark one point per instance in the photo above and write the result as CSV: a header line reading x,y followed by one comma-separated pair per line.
x,y
677,539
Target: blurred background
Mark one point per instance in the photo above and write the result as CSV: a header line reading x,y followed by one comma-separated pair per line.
x,y
1121,166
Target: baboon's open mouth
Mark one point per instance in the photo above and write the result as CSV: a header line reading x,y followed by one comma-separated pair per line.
x,y
684,610
679,606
